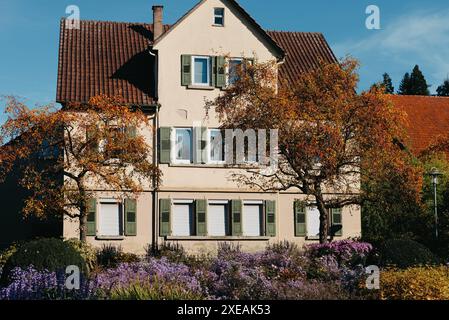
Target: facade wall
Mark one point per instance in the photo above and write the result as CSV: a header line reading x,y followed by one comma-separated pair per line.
x,y
185,107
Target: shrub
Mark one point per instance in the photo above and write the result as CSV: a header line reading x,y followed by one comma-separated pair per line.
x,y
5,254
109,256
172,252
44,254
86,251
31,284
418,283
405,253
345,252
154,291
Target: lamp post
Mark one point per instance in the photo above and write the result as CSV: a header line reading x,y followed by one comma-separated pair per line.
x,y
434,173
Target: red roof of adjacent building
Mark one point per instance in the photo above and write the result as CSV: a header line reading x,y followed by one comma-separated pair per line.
x,y
427,119
112,58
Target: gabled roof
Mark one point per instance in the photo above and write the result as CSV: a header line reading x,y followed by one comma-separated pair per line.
x,y
103,57
304,51
427,119
279,52
113,58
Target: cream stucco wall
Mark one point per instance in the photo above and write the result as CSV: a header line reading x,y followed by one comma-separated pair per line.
x,y
184,107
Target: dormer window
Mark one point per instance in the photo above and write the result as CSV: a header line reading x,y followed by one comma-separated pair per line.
x,y
219,17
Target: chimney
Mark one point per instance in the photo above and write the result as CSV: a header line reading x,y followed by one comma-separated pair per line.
x,y
158,27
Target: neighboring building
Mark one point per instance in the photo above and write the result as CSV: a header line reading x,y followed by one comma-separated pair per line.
x,y
427,119
169,71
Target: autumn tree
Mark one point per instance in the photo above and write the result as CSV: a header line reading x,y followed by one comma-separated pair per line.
x,y
330,137
63,156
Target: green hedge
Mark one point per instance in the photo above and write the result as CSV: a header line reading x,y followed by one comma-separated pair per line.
x,y
44,254
405,253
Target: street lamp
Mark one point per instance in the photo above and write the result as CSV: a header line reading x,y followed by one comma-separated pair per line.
x,y
434,173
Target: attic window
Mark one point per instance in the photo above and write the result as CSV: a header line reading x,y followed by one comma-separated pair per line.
x,y
219,16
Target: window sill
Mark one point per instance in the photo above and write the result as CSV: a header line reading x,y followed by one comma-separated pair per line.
x,y
199,87
110,238
318,238
207,238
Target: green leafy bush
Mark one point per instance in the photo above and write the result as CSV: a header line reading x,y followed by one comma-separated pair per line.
x,y
5,254
109,256
86,251
44,254
405,253
419,283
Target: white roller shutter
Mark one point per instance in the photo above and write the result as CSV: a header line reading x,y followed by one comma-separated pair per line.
x,y
252,220
109,219
217,220
182,220
313,222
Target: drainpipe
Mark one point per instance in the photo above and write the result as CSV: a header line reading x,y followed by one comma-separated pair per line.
x,y
155,220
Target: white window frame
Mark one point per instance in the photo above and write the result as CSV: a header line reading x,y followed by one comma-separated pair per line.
x,y
209,148
121,216
228,69
188,202
225,203
255,203
208,84
219,16
174,154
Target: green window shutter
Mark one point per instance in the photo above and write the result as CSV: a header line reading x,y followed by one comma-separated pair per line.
x,y
201,137
201,217
164,217
205,137
236,217
337,220
186,70
92,217
221,72
300,219
130,217
164,145
132,132
214,71
270,218
92,145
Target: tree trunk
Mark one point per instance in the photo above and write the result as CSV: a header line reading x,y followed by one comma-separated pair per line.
x,y
324,216
83,224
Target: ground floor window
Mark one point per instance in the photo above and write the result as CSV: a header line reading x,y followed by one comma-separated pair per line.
x,y
183,219
252,218
218,218
313,222
110,218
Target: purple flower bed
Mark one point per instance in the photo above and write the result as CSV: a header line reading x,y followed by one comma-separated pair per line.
x,y
161,271
31,284
280,272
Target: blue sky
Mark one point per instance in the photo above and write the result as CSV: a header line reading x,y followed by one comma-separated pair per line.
x,y
412,32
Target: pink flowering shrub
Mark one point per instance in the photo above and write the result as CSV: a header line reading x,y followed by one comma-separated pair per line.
x,y
345,252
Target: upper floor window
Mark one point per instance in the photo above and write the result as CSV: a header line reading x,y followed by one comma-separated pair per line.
x,y
219,16
183,145
216,146
235,64
201,71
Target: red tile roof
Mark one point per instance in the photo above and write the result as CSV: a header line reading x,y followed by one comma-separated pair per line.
x,y
112,58
427,117
103,57
304,50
